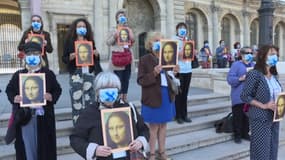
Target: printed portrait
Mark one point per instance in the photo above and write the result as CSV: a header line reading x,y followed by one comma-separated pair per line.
x,y
117,128
123,36
84,53
168,55
279,111
32,89
38,38
188,50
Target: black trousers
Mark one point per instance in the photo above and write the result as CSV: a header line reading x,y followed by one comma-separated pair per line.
x,y
181,98
240,121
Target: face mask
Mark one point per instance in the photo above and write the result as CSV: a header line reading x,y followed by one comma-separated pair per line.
x,y
81,31
272,60
36,26
222,44
108,95
122,20
248,57
33,60
182,32
238,46
206,45
156,46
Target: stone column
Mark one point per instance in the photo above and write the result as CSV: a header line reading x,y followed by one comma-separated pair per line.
x,y
25,14
35,6
170,26
246,28
216,27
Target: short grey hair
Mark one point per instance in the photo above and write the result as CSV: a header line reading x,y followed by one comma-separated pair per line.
x,y
106,79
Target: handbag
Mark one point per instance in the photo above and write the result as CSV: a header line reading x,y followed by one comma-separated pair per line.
x,y
225,124
195,63
137,155
121,59
173,85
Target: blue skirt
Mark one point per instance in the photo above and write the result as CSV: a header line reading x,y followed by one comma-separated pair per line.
x,y
161,114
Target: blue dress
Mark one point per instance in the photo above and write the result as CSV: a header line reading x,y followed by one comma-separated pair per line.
x,y
162,114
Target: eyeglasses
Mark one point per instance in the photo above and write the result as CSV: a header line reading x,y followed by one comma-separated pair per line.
x,y
248,52
33,53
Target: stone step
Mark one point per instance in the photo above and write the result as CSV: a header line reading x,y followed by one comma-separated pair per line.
x,y
223,151
199,133
65,113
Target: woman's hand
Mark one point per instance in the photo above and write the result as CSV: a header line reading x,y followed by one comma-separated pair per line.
x,y
103,151
96,53
176,69
270,105
48,97
157,69
135,145
45,42
17,99
71,56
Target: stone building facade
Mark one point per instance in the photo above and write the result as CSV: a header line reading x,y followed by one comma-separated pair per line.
x,y
207,20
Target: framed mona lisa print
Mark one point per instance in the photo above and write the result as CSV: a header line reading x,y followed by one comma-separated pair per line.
x,y
168,54
117,128
38,38
123,37
280,108
188,51
84,53
32,89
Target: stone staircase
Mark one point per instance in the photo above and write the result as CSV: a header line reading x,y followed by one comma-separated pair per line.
x,y
183,141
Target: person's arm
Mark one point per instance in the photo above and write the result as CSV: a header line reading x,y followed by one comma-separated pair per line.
x,y
111,38
146,77
55,88
12,88
23,41
68,49
143,131
48,46
233,78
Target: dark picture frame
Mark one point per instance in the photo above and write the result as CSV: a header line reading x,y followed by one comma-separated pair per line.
x,y
32,89
84,53
38,38
280,101
119,120
188,51
168,53
123,36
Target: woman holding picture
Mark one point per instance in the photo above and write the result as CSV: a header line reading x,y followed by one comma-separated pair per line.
x,y
37,28
157,100
87,136
35,125
81,77
120,41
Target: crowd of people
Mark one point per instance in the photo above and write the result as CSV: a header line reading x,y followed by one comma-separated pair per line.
x,y
106,125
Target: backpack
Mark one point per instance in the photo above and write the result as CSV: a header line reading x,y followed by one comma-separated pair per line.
x,y
225,124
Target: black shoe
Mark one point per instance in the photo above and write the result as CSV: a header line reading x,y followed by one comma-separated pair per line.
x,y
246,137
179,121
237,140
187,120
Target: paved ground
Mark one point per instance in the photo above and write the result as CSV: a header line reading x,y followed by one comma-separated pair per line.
x,y
64,101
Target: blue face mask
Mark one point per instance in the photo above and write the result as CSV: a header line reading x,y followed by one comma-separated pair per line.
x,y
272,60
122,20
206,44
156,46
248,57
81,31
36,26
108,95
182,32
33,60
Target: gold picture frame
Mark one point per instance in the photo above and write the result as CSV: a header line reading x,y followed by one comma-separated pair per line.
x,y
188,51
168,53
123,36
32,89
280,109
38,38
84,54
117,128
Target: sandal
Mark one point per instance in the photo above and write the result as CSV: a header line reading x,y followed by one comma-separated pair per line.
x,y
151,156
163,156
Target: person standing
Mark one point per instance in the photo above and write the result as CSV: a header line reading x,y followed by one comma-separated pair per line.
x,y
157,99
206,55
37,28
184,75
236,52
235,78
81,78
260,90
123,72
222,55
35,126
87,136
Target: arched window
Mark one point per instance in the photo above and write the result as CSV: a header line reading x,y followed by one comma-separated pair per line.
x,y
226,30
191,21
254,32
277,35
